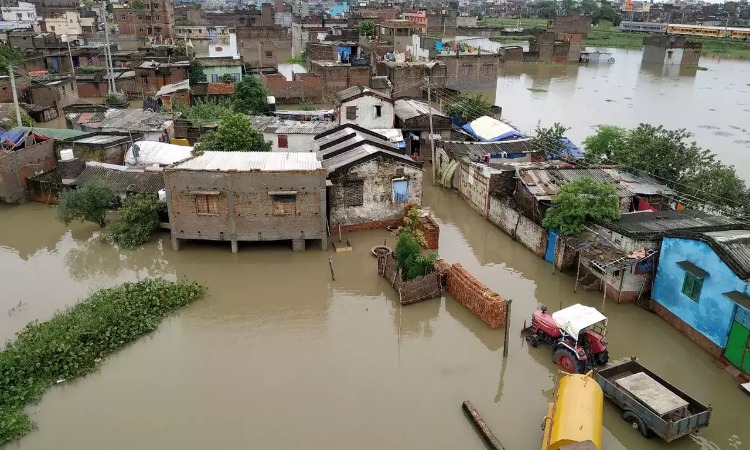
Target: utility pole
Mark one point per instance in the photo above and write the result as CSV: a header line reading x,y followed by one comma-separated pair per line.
x,y
70,55
107,53
726,25
15,95
432,140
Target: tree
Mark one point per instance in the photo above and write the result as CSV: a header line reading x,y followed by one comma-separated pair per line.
x,y
589,7
548,141
249,96
139,219
195,72
568,6
466,108
366,28
87,204
607,146
547,9
581,201
235,133
227,78
203,112
26,119
8,55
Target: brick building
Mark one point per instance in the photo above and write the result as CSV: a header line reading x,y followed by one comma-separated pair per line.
x,y
408,78
155,19
247,196
302,86
338,76
671,50
264,46
153,75
37,156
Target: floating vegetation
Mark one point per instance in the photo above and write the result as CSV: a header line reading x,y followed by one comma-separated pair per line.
x,y
536,89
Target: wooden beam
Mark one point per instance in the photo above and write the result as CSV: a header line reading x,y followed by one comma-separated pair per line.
x,y
481,426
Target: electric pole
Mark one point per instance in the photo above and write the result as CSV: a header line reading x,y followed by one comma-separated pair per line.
x,y
108,56
432,136
15,95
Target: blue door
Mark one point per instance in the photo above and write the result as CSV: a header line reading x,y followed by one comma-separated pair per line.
x,y
400,191
549,256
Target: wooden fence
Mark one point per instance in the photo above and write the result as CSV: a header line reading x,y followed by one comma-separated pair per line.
x,y
412,291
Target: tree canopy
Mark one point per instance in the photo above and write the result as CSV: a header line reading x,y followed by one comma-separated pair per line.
x,y
548,141
669,156
195,72
581,201
87,204
138,220
250,96
234,133
467,108
203,112
367,28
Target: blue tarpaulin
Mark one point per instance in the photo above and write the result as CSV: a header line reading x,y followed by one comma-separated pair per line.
x,y
492,137
571,150
439,46
10,139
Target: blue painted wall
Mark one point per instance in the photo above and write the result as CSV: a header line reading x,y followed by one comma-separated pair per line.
x,y
713,314
338,9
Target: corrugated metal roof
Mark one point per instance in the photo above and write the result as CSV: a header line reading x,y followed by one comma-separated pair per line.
x,y
643,185
408,109
360,152
347,130
283,126
167,89
546,183
476,150
355,91
121,179
135,120
251,162
99,139
733,247
653,225
55,133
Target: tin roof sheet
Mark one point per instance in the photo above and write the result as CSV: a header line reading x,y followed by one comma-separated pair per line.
x,y
361,152
251,162
408,109
647,224
734,249
544,184
121,179
167,89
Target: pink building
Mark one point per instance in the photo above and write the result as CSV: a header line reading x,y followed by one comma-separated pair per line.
x,y
419,19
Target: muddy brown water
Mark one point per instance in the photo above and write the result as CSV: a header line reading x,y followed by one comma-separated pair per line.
x,y
277,356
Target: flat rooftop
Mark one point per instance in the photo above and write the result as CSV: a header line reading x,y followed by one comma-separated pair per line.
x,y
251,162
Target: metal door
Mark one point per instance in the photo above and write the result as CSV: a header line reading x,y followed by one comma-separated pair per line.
x,y
738,344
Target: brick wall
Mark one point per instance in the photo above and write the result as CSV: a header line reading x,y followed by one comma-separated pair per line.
x,y
304,86
90,88
431,231
475,296
478,68
16,166
245,205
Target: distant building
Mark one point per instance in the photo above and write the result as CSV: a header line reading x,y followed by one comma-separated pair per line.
x,y
154,22
45,8
702,288
22,13
69,23
153,75
33,155
365,107
671,50
247,196
174,93
290,135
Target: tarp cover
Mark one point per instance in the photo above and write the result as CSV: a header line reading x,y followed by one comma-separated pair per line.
x,y
487,129
576,318
151,152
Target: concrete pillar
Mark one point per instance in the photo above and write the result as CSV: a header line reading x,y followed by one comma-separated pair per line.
x,y
234,246
324,243
175,243
298,245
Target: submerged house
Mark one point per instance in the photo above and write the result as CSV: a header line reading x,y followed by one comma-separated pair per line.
x,y
702,288
369,179
247,196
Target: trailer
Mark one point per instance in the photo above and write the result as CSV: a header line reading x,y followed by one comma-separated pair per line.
x,y
649,403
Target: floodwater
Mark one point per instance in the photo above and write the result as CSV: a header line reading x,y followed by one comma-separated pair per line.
x,y
714,104
278,356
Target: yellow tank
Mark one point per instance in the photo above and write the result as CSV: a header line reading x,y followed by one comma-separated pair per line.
x,y
576,414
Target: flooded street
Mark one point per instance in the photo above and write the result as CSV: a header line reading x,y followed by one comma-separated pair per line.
x,y
278,356
713,104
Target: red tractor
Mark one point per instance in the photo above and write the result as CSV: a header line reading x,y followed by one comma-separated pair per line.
x,y
576,334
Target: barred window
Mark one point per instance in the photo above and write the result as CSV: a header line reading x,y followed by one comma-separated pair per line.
x,y
354,193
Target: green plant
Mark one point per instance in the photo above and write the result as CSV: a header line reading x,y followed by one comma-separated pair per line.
x,y
195,72
307,106
137,5
301,59
581,201
548,141
466,108
410,226
410,259
139,219
235,133
367,28
250,96
9,55
72,343
87,204
112,99
227,78
26,119
203,112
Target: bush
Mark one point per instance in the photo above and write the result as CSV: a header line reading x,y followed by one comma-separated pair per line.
x,y
410,260
139,219
87,204
71,343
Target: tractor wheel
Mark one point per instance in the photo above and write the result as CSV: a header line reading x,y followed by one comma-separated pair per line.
x,y
602,358
533,340
565,358
637,423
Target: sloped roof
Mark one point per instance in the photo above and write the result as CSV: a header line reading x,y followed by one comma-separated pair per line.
x,y
277,125
732,246
544,184
356,92
408,109
488,128
54,133
167,89
250,162
653,225
150,152
476,150
362,153
121,179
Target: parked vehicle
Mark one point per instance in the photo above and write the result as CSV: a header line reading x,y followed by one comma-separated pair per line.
x,y
649,403
576,414
576,334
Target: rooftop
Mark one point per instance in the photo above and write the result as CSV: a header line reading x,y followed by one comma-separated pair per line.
x,y
273,124
544,184
732,246
358,91
251,162
125,120
54,133
167,89
476,150
408,109
121,178
652,225
158,64
362,153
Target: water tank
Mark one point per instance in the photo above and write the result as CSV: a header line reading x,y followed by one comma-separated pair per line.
x,y
66,154
162,195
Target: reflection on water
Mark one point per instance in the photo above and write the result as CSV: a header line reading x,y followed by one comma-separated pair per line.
x,y
279,356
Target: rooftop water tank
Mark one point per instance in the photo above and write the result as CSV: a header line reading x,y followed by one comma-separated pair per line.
x,y
66,154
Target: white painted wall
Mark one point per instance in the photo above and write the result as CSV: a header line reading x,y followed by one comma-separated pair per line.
x,y
366,112
297,142
26,10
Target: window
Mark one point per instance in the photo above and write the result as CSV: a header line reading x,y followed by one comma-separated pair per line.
x,y
467,70
284,204
269,54
158,18
207,205
283,141
400,189
238,77
51,28
378,111
351,113
214,77
692,286
488,69
354,193
144,79
123,17
63,90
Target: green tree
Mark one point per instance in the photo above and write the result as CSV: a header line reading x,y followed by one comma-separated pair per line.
x,y
250,96
607,146
26,119
548,141
203,112
606,13
235,133
307,106
589,7
581,201
8,55
567,6
547,9
138,220
467,108
367,28
87,204
195,72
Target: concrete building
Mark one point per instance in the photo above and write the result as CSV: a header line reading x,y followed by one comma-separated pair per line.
x,y
69,23
57,92
371,181
398,32
702,288
336,76
209,41
409,78
290,135
153,75
217,68
365,107
418,19
671,50
21,13
45,8
153,23
247,196
174,93
264,46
